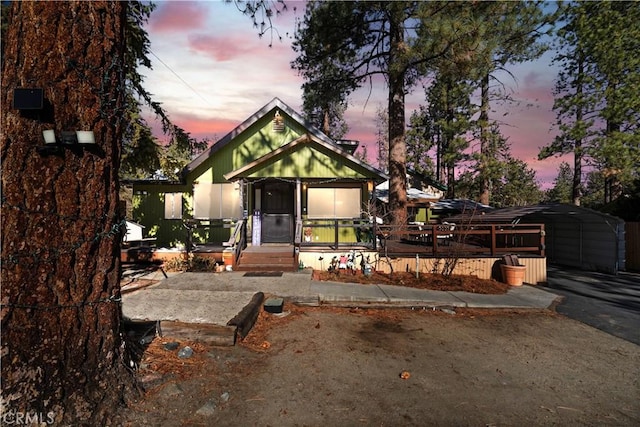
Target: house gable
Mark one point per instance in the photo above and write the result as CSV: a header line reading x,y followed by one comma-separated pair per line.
x,y
253,139
296,149
306,157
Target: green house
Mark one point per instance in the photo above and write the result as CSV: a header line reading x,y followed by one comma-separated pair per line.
x,y
282,179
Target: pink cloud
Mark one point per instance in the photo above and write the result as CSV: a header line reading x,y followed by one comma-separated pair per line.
x,y
209,128
197,127
218,48
178,16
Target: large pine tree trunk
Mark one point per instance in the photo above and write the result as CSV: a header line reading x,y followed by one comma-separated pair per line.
x,y
576,186
397,144
485,152
63,355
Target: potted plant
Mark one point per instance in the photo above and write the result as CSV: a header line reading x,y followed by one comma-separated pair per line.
x,y
512,271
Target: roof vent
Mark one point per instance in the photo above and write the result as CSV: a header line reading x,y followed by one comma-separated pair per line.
x,y
278,122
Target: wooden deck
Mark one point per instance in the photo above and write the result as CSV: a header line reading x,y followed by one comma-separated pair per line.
x,y
449,248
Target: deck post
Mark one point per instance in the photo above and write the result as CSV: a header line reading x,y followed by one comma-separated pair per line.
x,y
434,239
493,240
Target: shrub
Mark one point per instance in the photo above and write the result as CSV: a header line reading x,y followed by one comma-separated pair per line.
x,y
192,263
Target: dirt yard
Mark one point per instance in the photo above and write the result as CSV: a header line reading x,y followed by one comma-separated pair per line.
x,y
436,282
353,367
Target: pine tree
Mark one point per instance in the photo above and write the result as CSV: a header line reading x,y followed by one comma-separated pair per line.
x,y
62,341
398,40
597,101
562,185
382,138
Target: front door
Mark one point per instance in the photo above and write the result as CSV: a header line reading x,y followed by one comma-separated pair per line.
x,y
277,212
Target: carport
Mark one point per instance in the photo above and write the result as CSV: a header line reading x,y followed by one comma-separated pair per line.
x,y
575,236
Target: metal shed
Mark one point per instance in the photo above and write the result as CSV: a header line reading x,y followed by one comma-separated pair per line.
x,y
575,236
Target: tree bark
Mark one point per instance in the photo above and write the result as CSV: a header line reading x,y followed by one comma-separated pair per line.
x,y
485,152
448,136
63,355
576,186
397,144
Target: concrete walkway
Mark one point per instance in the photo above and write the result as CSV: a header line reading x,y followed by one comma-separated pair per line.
x,y
215,298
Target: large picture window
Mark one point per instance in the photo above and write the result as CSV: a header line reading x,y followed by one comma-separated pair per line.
x,y
333,202
216,201
173,205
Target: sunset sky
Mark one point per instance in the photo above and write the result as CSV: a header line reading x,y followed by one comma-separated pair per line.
x,y
211,71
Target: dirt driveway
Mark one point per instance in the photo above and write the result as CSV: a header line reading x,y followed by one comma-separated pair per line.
x,y
344,367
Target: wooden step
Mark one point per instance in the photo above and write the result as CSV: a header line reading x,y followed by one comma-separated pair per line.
x,y
270,267
267,261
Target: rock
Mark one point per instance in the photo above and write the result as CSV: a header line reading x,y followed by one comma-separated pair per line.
x,y
224,397
171,390
146,340
207,409
283,314
185,353
448,311
171,345
150,380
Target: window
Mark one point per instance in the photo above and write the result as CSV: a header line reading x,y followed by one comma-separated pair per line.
x,y
216,201
333,202
173,205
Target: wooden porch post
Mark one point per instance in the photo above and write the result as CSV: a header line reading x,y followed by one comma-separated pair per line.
x,y
244,202
298,200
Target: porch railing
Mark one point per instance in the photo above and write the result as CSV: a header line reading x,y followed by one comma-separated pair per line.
x,y
468,239
430,239
337,233
238,239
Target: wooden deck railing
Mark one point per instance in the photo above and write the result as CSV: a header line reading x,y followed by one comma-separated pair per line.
x,y
430,239
468,239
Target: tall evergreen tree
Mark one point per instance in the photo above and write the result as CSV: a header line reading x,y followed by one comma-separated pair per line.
x,y
421,139
491,165
517,186
382,138
142,154
612,45
326,115
451,110
511,34
512,182
395,39
573,105
597,102
179,152
63,357
562,185
62,343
